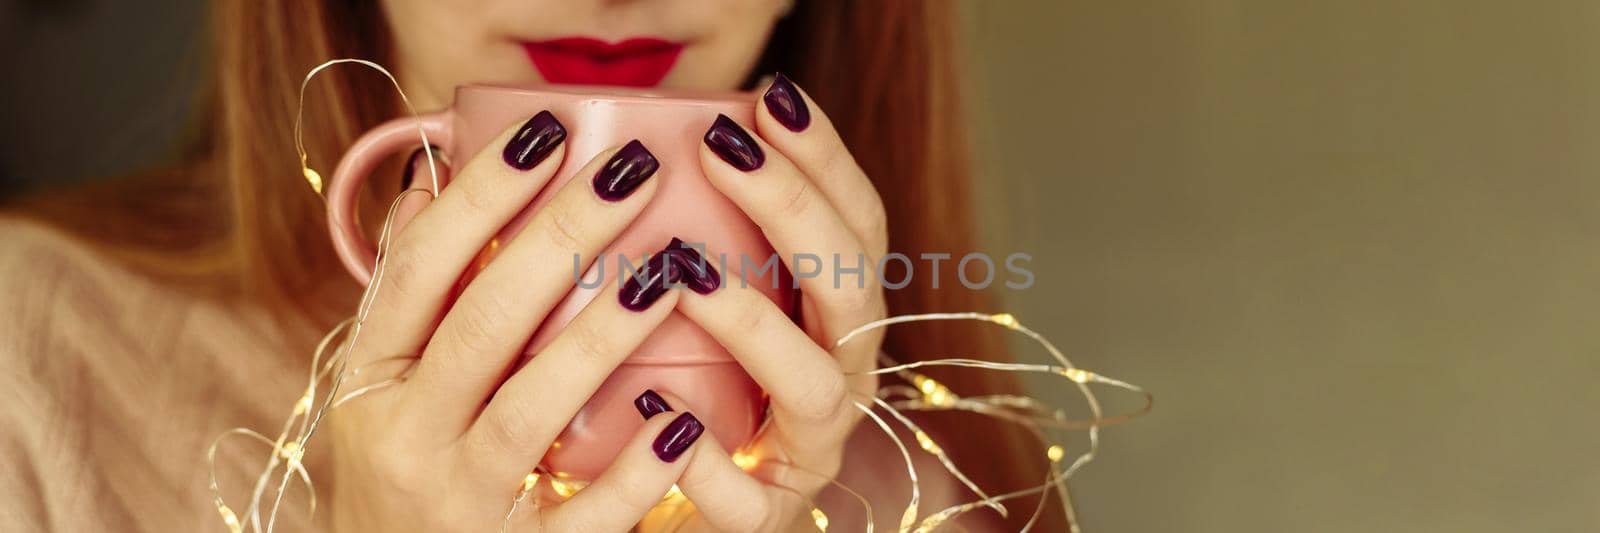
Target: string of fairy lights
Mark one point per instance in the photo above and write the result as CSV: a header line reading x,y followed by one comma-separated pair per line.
x,y
330,369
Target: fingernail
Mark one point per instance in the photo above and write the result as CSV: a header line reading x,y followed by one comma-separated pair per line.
x,y
650,404
698,273
785,103
734,145
411,167
674,440
626,170
538,137
647,285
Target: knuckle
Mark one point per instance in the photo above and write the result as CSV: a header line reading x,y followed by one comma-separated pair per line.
x,y
697,477
836,159
475,195
783,509
401,266
751,322
814,476
392,463
754,515
795,198
823,400
475,324
859,303
564,229
631,492
506,428
589,345
875,224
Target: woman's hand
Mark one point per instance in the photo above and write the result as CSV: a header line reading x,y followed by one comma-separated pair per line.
x,y
447,449
800,184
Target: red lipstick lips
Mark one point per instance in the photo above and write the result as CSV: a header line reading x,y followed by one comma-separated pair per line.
x,y
638,62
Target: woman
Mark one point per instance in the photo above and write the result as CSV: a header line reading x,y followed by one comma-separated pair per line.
x,y
152,313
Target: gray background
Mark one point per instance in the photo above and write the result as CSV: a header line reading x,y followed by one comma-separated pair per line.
x,y
94,87
1354,247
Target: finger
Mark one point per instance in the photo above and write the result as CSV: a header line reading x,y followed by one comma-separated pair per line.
x,y
426,259
487,327
791,121
646,468
531,408
408,204
728,498
413,195
799,221
411,204
424,169
809,392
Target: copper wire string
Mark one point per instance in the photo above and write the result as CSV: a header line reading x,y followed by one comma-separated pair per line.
x,y
331,364
292,450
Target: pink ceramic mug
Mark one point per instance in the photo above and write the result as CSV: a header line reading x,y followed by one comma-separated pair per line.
x,y
679,357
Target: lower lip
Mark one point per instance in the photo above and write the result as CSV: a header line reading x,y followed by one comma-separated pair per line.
x,y
583,61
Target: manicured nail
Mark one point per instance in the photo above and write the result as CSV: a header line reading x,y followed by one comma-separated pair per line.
x,y
734,145
697,273
411,166
538,137
674,440
650,404
785,103
646,286
625,172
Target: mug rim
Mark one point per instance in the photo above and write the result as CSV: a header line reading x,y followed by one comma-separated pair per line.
x,y
604,92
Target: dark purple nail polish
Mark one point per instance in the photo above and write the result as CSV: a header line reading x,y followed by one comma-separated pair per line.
x,y
734,145
538,137
411,166
626,170
648,284
650,404
785,103
693,268
674,440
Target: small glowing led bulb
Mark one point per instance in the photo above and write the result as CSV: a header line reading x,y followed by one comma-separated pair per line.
x,y
304,405
927,442
530,481
313,178
228,518
292,453
745,460
1077,374
933,522
564,488
909,518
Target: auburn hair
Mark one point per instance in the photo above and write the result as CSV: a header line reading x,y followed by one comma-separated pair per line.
x,y
235,215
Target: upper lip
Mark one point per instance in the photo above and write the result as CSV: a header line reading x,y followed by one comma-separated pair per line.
x,y
604,51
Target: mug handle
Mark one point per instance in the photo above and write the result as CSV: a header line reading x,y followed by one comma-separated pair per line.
x,y
355,250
